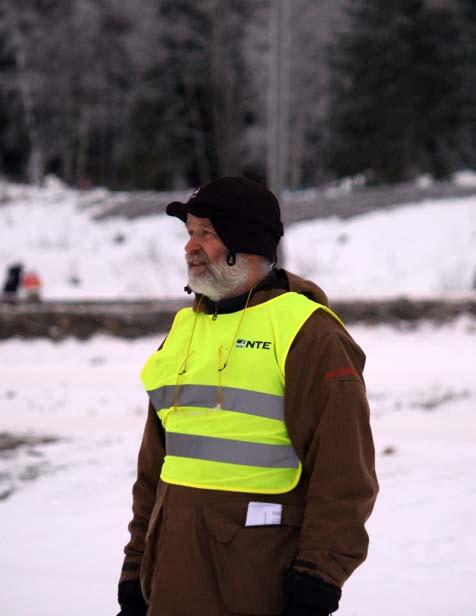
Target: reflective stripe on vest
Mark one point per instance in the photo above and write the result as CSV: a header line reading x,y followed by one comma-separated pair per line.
x,y
232,452
233,399
226,430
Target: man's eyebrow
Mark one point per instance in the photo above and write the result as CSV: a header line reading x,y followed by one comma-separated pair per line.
x,y
202,228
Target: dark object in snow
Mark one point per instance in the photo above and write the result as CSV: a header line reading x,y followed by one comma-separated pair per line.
x,y
440,398
119,238
34,447
4,494
97,361
12,280
389,450
74,281
10,442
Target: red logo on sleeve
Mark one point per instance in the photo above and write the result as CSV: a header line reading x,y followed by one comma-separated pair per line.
x,y
339,373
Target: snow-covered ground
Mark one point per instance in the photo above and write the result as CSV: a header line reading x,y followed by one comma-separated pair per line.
x,y
64,505
63,532
417,250
414,250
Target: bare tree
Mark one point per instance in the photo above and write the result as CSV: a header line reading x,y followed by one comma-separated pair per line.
x,y
77,67
19,25
312,26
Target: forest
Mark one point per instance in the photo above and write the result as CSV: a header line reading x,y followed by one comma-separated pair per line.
x,y
162,94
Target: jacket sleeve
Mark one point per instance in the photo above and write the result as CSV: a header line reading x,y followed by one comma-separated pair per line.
x,y
328,421
151,456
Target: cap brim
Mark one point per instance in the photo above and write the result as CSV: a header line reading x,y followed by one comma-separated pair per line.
x,y
177,209
201,209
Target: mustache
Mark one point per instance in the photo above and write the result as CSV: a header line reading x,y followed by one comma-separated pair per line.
x,y
197,257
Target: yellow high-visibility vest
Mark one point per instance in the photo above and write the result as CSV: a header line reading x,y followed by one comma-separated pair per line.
x,y
224,426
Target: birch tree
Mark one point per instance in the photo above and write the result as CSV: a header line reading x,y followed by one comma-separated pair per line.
x,y
22,28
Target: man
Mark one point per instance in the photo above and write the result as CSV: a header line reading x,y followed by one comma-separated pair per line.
x,y
256,470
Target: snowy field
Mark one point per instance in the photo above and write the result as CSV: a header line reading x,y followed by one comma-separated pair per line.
x,y
64,522
77,408
415,250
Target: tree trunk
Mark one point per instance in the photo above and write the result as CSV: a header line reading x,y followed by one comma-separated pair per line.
x,y
278,97
35,167
197,135
296,153
83,146
278,103
224,102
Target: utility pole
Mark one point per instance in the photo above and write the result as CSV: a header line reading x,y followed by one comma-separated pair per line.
x,y
278,101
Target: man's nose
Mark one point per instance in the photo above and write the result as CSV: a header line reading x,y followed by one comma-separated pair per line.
x,y
192,245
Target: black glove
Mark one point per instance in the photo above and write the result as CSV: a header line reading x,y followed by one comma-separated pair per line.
x,y
131,600
308,595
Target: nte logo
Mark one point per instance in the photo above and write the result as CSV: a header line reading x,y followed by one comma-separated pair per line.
x,y
253,344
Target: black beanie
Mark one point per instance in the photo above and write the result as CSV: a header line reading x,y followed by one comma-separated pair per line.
x,y
245,214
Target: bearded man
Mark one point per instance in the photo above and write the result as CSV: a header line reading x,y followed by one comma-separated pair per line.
x,y
256,471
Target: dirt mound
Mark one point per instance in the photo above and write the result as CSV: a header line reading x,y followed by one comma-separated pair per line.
x,y
58,320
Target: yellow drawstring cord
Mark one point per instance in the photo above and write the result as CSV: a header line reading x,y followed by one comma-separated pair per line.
x,y
236,331
221,368
219,393
184,365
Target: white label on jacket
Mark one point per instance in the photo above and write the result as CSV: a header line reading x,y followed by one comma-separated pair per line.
x,y
262,514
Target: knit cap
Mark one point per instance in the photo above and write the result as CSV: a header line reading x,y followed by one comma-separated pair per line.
x,y
244,213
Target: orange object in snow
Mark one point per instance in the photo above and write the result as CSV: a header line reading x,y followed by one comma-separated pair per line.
x,y
31,285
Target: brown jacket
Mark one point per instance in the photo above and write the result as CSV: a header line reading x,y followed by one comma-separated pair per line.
x,y
190,547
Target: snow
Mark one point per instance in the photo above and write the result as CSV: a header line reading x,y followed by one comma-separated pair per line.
x,y
426,249
63,532
49,232
423,534
464,178
65,521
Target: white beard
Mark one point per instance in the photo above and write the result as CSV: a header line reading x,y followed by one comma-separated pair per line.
x,y
220,280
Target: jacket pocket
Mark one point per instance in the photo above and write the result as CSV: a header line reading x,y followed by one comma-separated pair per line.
x,y
251,561
149,556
